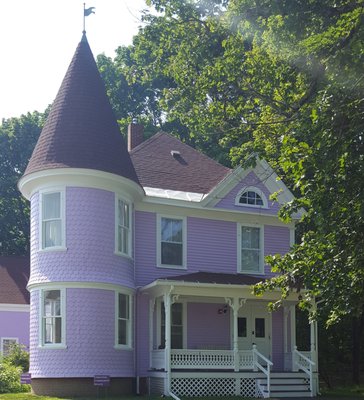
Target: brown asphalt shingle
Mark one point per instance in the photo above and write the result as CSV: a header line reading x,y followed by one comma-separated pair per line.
x,y
14,276
81,130
190,171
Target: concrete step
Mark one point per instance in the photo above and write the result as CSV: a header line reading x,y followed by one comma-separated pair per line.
x,y
290,394
285,388
285,381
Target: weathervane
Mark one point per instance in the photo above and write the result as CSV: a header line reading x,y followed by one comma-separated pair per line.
x,y
86,13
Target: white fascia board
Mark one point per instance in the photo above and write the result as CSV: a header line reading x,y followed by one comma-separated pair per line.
x,y
173,194
15,307
78,177
80,285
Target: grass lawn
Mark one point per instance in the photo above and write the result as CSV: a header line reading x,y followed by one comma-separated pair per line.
x,y
350,392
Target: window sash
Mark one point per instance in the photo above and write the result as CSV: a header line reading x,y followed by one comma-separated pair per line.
x,y
171,241
123,320
250,248
52,317
52,229
176,326
123,228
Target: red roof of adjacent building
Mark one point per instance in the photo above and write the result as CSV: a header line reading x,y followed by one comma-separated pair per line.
x,y
165,162
14,276
81,130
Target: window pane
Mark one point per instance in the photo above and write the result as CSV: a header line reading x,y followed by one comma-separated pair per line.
x,y
259,327
58,330
171,230
52,303
176,337
52,232
123,306
250,237
177,314
122,331
51,205
242,327
171,254
250,260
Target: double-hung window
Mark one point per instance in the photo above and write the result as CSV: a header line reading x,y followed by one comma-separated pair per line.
x,y
250,245
123,320
172,242
52,220
123,229
176,326
52,318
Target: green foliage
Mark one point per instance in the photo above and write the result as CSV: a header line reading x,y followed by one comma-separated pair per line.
x,y
17,140
18,357
10,379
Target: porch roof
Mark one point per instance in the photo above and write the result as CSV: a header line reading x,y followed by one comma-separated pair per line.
x,y
215,278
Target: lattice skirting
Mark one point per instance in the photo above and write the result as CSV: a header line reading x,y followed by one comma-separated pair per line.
x,y
215,387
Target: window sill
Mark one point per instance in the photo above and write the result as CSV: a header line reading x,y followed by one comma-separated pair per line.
x,y
171,266
123,347
50,249
251,272
119,254
52,346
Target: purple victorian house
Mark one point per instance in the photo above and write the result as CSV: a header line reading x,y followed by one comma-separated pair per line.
x,y
142,261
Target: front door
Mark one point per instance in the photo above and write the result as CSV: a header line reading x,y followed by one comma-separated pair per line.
x,y
254,327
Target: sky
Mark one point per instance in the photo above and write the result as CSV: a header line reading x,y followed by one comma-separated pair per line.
x,y
39,37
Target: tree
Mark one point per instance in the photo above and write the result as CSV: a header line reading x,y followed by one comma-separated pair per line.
x,y
284,80
18,137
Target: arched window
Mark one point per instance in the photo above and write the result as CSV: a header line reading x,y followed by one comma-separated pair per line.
x,y
251,197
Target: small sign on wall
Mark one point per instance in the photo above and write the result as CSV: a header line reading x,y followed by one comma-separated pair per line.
x,y
102,380
26,378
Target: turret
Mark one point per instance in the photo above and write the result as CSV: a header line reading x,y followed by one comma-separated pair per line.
x,y
82,187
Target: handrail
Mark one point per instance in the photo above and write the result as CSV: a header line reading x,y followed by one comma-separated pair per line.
x,y
256,364
308,371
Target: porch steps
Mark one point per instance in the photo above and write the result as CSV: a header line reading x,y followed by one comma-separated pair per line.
x,y
286,385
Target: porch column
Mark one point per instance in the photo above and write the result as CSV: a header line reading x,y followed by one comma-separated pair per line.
x,y
167,351
235,304
313,340
285,338
292,313
151,337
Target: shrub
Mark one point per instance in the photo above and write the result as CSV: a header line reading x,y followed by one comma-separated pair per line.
x,y
18,357
10,379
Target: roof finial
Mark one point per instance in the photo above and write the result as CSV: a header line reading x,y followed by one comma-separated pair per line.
x,y
86,13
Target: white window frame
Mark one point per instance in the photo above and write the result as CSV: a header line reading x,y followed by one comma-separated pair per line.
x,y
159,323
42,343
261,248
61,191
251,189
159,241
15,339
130,228
129,344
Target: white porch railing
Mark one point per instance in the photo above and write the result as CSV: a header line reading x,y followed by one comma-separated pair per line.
x,y
301,362
210,359
258,364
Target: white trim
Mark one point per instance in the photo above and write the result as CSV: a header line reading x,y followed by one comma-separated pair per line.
x,y
50,190
41,343
129,253
78,177
15,307
255,190
292,237
173,194
261,249
184,241
80,285
7,338
129,345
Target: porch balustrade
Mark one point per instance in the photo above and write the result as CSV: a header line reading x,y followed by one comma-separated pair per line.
x,y
204,359
305,364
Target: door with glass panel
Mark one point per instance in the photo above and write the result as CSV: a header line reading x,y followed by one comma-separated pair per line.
x,y
254,327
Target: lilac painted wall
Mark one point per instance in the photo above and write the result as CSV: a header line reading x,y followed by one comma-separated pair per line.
x,y
277,340
90,339
90,238
206,328
15,324
211,246
142,334
228,202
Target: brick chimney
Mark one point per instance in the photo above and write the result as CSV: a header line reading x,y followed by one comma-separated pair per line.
x,y
135,135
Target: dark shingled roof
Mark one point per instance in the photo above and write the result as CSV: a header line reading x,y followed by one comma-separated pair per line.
x,y
188,171
14,276
215,277
81,130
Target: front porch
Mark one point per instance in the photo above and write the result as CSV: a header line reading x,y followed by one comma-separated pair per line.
x,y
212,338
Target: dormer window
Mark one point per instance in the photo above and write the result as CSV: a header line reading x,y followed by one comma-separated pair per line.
x,y
251,197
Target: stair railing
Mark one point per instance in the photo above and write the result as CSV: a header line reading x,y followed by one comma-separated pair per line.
x,y
301,362
257,365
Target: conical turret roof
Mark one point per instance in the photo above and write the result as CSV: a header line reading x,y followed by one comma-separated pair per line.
x,y
81,130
